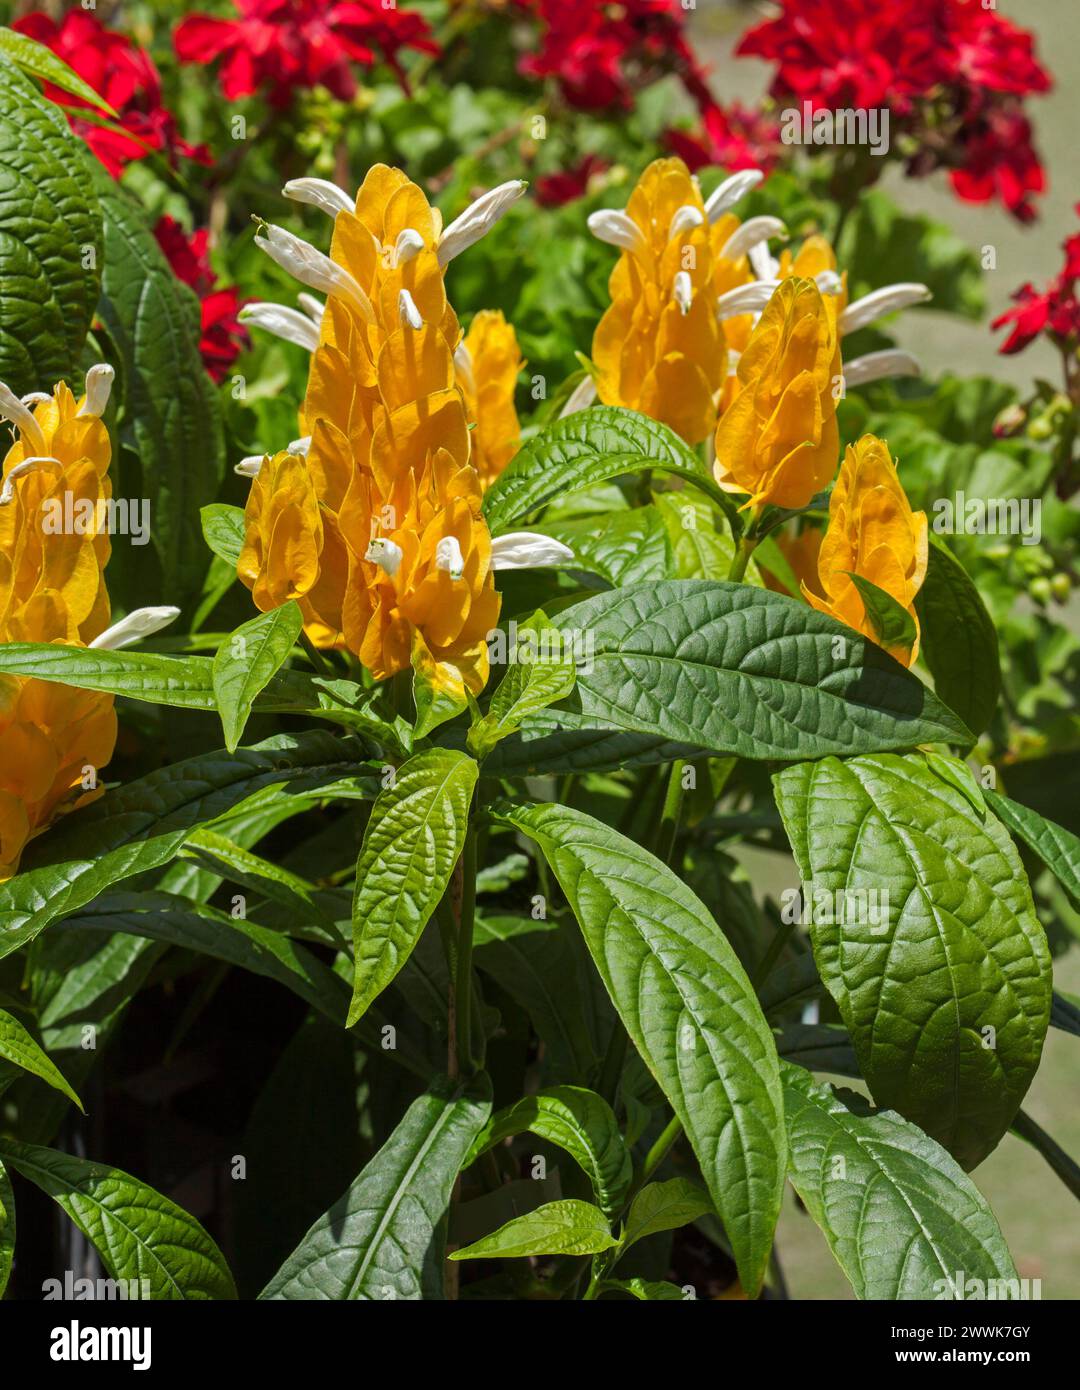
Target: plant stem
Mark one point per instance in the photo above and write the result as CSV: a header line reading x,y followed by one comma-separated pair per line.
x,y
660,1149
745,547
320,662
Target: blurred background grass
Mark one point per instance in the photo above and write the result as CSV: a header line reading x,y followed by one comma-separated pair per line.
x,y
1039,1217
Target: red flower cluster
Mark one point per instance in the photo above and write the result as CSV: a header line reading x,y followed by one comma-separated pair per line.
x,y
1054,310
735,138
601,52
121,72
223,335
279,45
945,68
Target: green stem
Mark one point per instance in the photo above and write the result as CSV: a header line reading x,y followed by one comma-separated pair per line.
x,y
317,659
660,1149
745,548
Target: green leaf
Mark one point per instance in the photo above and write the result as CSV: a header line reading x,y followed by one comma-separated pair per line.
x,y
728,668
7,1229
702,549
959,639
947,947
168,917
172,415
143,824
246,662
624,547
900,1215
412,842
138,1233
384,1238
17,1046
50,223
535,963
663,1206
646,1290
588,448
893,625
34,58
957,773
223,530
1058,848
538,673
567,1227
689,1008
577,1120
188,683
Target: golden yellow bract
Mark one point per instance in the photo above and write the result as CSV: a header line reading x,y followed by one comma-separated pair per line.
x,y
378,533
488,364
874,533
51,590
778,440
659,348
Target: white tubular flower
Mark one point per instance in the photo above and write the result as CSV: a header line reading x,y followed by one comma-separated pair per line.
x,y
752,233
477,219
35,397
282,322
409,244
143,622
30,465
448,557
728,193
408,313
683,291
386,554
11,408
314,308
876,365
828,282
685,220
249,467
299,446
763,263
746,299
312,268
582,396
617,229
888,300
99,380
522,550
321,194
463,365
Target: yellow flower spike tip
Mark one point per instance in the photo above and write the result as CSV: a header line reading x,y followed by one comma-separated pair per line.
x,y
873,533
814,258
487,364
53,548
778,439
372,519
660,348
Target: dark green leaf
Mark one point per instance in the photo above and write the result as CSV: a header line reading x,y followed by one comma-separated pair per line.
x,y
248,660
17,1046
959,640
893,625
223,531
383,1239
928,942
1058,848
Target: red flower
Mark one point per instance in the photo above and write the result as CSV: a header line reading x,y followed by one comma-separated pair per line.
x,y
553,190
998,159
735,138
601,52
941,67
1054,311
124,75
280,45
223,335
